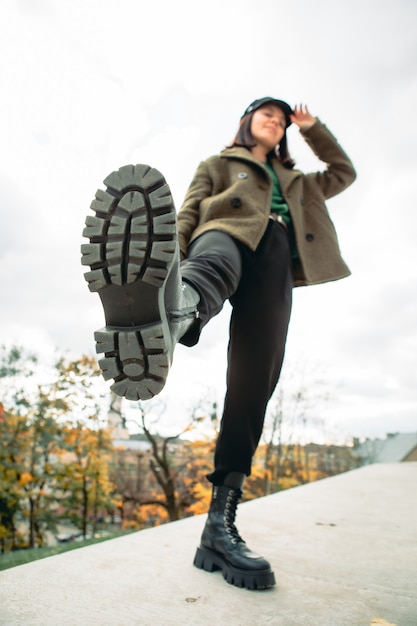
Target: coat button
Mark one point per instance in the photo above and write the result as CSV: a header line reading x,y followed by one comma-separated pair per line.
x,y
309,236
236,203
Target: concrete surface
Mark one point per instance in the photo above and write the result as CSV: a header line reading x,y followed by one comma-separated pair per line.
x,y
344,551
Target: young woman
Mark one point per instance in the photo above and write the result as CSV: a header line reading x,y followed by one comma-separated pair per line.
x,y
251,227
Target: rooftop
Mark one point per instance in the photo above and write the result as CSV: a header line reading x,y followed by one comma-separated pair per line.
x,y
395,448
344,552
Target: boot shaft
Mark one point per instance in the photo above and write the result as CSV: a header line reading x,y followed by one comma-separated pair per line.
x,y
220,524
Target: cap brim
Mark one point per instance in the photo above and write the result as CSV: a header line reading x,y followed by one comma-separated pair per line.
x,y
285,108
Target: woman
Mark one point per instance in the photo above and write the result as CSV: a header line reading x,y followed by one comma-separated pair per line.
x,y
251,227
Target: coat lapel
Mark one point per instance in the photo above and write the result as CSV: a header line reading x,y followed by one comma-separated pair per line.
x,y
285,176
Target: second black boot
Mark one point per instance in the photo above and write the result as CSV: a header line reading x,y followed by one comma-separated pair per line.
x,y
222,548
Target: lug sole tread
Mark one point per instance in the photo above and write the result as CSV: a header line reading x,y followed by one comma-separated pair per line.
x,y
133,232
132,246
211,561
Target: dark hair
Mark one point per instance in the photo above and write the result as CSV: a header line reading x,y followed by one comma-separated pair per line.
x,y
244,139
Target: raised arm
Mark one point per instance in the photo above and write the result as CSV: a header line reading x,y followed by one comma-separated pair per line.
x,y
340,172
302,117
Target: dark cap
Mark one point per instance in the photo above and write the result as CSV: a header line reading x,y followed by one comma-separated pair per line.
x,y
257,104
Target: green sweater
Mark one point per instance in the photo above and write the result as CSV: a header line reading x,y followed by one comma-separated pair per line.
x,y
278,205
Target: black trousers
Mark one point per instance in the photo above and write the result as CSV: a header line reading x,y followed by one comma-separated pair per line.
x,y
259,286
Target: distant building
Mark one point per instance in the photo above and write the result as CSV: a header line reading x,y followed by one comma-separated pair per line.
x,y
396,448
115,421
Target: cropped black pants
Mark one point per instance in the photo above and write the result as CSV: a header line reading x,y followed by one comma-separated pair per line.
x,y
259,286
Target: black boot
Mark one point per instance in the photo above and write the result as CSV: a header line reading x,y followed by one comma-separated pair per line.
x,y
134,259
222,547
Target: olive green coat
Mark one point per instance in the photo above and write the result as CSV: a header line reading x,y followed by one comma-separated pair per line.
x,y
232,192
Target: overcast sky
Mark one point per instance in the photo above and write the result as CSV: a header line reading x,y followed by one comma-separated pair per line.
x,y
90,85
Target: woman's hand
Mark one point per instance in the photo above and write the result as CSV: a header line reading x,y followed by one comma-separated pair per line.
x,y
302,117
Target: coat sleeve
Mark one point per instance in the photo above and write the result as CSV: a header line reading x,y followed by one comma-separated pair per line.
x,y
340,172
189,214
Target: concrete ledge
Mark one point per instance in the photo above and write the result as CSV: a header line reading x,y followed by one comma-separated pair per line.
x,y
344,551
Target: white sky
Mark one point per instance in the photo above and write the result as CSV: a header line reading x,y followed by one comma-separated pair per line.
x,y
90,85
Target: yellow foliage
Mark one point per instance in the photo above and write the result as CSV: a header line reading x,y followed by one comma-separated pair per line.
x,y
25,479
151,515
201,496
130,524
287,482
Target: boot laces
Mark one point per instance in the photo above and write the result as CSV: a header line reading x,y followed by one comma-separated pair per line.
x,y
229,518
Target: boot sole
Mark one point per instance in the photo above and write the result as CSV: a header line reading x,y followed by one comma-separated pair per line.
x,y
133,239
211,561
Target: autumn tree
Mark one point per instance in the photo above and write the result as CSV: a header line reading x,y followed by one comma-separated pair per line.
x,y
162,491
39,404
43,441
205,423
84,469
169,475
297,404
12,431
84,478
18,451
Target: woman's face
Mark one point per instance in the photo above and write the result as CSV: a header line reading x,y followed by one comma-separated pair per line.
x,y
268,126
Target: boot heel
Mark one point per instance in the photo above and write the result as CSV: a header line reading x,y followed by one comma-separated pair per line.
x,y
135,358
204,561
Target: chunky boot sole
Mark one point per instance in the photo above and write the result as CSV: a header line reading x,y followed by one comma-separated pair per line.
x,y
211,561
132,249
